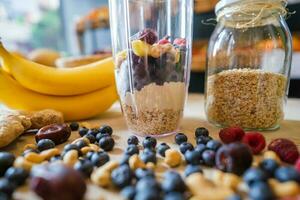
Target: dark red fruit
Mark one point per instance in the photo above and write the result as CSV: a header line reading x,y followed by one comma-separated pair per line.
x,y
231,134
58,133
256,141
148,35
234,158
297,165
57,181
285,149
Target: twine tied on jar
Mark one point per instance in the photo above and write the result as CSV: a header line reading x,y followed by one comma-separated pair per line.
x,y
251,13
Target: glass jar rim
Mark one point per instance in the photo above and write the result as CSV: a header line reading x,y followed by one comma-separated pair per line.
x,y
227,3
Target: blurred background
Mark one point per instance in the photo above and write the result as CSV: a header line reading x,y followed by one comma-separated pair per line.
x,y
68,33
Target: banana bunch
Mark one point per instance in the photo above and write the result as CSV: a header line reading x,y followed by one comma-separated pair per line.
x,y
79,93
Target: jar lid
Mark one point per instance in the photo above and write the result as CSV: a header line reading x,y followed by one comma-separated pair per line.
x,y
224,3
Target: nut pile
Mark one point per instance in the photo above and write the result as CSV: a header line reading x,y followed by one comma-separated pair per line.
x,y
248,98
137,174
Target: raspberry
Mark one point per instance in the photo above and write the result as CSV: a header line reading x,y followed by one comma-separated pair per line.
x,y
163,41
297,165
180,41
231,134
256,141
285,149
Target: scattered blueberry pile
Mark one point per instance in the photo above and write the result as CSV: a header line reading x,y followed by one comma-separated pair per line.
x,y
148,69
234,157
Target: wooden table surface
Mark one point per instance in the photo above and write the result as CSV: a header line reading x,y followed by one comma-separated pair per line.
x,y
194,117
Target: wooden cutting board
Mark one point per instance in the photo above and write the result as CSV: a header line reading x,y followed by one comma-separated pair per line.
x,y
194,117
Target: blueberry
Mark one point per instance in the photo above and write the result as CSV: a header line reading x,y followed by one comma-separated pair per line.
x,y
91,138
4,196
128,192
208,157
203,139
193,157
149,142
69,147
147,195
201,131
234,197
132,149
180,138
284,174
191,169
200,148
89,155
142,173
173,182
93,131
81,143
101,135
74,126
174,196
148,183
254,175
185,146
17,176
30,151
45,144
6,187
122,176
261,191
162,148
107,143
106,129
152,150
6,161
269,166
84,166
99,158
133,140
125,159
83,131
148,156
213,145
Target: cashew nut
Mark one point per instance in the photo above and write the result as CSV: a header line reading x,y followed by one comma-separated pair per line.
x,y
286,189
135,162
94,147
226,179
101,176
85,150
34,157
203,189
49,153
172,158
71,157
21,162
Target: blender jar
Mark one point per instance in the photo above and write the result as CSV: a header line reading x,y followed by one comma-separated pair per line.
x,y
248,67
151,42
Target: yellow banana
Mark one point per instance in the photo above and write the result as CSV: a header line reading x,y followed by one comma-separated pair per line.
x,y
58,81
78,107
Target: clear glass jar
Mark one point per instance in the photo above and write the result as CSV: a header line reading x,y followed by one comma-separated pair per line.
x,y
151,42
248,67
